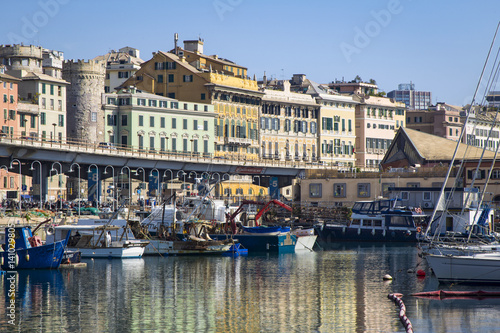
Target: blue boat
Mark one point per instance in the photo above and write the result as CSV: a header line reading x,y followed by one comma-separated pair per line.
x,y
271,230
282,243
22,250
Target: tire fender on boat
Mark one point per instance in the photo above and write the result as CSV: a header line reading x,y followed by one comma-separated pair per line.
x,y
373,232
343,230
359,231
27,257
16,260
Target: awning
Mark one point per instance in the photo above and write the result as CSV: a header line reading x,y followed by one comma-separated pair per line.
x,y
26,196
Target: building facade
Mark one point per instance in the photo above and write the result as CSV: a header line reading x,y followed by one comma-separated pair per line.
x,y
441,119
413,99
377,120
189,75
120,65
288,124
148,122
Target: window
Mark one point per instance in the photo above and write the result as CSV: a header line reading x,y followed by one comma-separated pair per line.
x,y
174,144
61,120
339,190
141,120
141,142
188,78
93,117
151,121
174,122
203,97
151,143
195,124
315,190
171,79
364,190
185,145
12,114
122,75
141,101
426,196
43,88
160,78
162,122
152,102
43,118
184,124
52,89
124,120
405,196
205,125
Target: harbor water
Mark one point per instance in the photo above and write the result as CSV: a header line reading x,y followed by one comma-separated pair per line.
x,y
336,290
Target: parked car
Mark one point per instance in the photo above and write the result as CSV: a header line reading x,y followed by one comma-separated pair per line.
x,y
106,145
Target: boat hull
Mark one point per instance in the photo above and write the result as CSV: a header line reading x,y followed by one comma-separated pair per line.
x,y
111,252
40,257
282,243
305,242
483,268
332,233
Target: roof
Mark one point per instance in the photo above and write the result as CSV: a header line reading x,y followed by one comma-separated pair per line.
x,y
8,77
432,147
43,77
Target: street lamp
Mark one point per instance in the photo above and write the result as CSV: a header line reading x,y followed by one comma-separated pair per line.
x,y
157,181
143,176
171,180
40,180
96,182
218,181
113,179
183,182
129,187
58,175
79,180
20,180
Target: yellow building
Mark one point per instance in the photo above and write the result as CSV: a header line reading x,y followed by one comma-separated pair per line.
x,y
189,75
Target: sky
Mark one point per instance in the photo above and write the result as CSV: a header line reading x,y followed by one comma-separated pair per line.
x,y
440,46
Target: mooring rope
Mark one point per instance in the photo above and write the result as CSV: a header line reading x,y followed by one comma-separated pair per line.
x,y
402,311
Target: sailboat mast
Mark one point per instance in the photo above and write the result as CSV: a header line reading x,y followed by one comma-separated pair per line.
x,y
452,162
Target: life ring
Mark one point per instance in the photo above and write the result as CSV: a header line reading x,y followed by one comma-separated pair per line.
x,y
419,229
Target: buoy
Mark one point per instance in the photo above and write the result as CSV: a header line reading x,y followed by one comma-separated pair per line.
x,y
387,277
421,272
27,257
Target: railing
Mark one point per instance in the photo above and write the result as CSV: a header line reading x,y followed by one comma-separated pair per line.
x,y
267,160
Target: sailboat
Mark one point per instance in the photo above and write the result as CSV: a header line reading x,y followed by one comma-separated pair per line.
x,y
467,261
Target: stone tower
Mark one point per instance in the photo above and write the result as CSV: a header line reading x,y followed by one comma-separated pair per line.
x,y
85,120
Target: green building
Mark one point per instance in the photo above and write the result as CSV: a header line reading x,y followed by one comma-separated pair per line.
x,y
148,122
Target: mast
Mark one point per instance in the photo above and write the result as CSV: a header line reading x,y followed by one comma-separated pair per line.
x,y
452,162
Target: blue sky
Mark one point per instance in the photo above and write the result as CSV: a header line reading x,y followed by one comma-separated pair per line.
x,y
438,45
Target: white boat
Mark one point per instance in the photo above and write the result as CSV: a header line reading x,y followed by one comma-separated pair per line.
x,y
473,268
93,241
305,239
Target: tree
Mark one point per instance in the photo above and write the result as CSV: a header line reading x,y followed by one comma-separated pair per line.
x,y
372,81
358,79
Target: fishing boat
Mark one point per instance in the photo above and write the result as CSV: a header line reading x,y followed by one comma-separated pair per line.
x,y
97,241
23,250
258,238
374,221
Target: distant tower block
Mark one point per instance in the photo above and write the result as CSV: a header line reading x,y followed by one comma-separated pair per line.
x,y
85,120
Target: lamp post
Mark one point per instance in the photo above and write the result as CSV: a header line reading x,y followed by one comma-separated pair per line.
x,y
79,180
129,187
183,182
143,175
218,180
171,180
58,175
157,181
114,187
194,179
40,180
96,182
20,180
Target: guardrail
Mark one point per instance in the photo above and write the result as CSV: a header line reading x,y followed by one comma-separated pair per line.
x,y
135,152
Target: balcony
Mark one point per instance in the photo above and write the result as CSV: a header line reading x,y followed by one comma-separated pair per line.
x,y
237,141
27,108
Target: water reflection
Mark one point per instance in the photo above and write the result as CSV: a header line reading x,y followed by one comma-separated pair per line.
x,y
328,291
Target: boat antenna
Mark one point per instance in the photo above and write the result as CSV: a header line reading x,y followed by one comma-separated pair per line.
x,y
441,193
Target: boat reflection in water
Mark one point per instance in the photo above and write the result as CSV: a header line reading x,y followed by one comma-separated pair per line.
x,y
325,291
